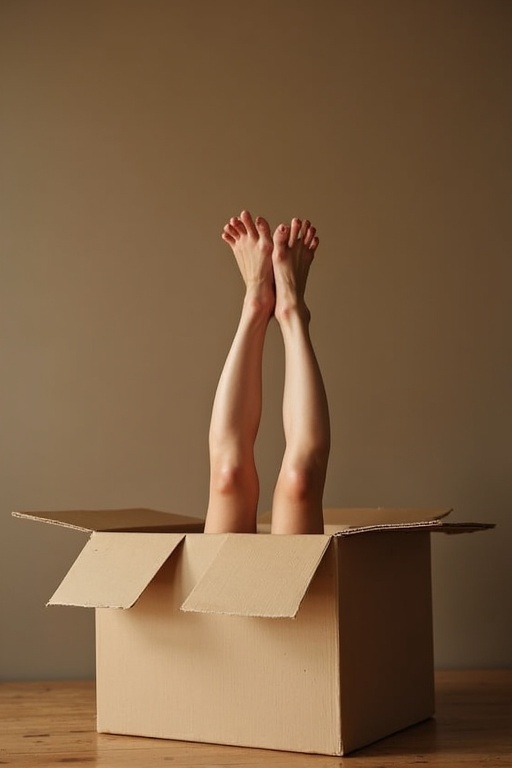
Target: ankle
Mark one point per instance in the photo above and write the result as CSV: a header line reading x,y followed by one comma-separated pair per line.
x,y
259,304
293,311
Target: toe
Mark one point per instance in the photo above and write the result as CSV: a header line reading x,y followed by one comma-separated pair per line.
x,y
246,218
230,230
263,227
308,237
238,224
228,238
281,235
314,244
304,228
294,231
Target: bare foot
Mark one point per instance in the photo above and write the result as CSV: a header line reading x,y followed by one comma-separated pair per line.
x,y
294,250
251,242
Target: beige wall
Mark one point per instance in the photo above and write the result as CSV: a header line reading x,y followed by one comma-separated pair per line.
x,y
130,132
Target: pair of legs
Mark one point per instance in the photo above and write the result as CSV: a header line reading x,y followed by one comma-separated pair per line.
x,y
275,270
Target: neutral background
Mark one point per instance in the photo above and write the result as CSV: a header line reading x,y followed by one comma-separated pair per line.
x,y
130,132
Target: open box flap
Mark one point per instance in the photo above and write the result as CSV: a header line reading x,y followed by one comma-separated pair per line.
x,y
265,576
116,520
373,516
113,569
435,526
340,518
465,527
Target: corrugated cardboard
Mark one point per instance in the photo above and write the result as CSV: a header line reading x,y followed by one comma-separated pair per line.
x,y
251,576
318,643
113,569
142,520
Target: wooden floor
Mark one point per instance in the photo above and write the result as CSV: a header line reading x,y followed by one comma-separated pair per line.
x,y
52,724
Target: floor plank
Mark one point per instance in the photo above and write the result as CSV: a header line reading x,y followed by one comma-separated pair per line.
x,y
52,724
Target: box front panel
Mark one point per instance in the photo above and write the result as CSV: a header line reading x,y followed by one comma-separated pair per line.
x,y
386,646
234,680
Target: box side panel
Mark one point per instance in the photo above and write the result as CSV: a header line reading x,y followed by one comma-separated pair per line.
x,y
386,641
247,681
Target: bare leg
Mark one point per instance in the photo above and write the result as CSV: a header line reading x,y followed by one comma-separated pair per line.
x,y
297,503
234,485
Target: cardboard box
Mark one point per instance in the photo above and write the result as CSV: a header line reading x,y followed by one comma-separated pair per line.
x,y
314,643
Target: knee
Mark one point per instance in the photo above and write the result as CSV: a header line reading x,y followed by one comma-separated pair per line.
x,y
300,483
231,479
225,479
